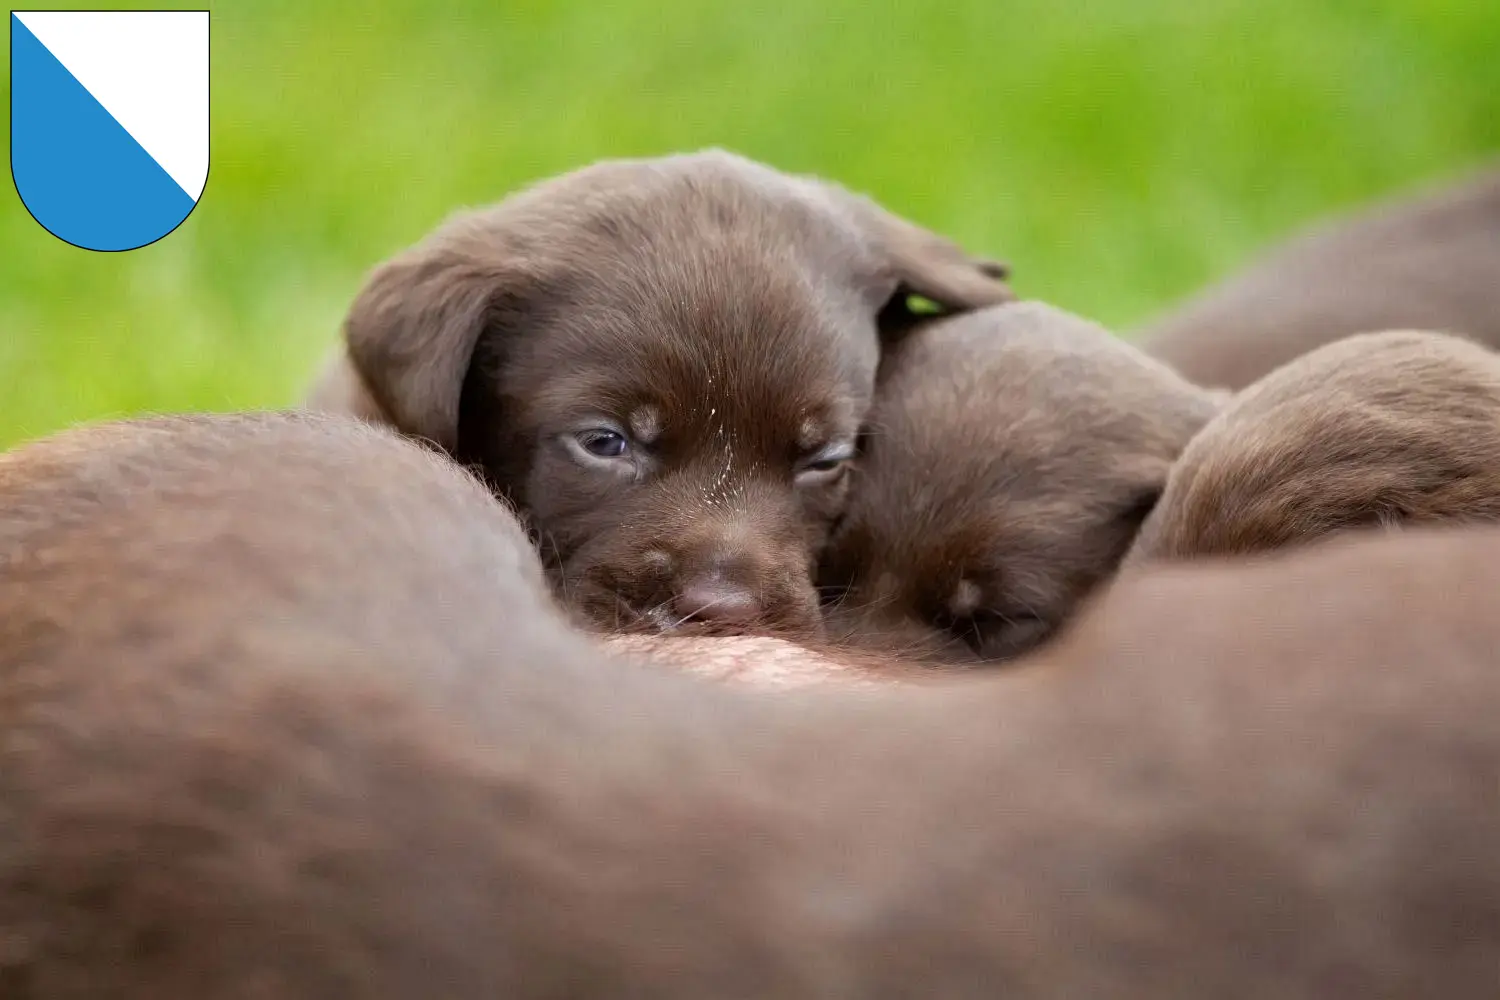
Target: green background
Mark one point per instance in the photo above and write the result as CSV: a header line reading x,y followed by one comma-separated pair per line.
x,y
1117,153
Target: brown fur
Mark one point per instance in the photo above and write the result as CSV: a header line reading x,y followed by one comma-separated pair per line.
x,y
719,316
1012,455
1377,429
287,713
342,390
1426,261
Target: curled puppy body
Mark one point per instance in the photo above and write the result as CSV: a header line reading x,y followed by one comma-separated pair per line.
x,y
345,746
1377,429
663,364
1012,455
1426,261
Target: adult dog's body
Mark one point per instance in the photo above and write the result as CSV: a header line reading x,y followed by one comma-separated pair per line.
x,y
1424,261
287,712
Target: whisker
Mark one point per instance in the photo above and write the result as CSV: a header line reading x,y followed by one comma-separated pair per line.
x,y
693,614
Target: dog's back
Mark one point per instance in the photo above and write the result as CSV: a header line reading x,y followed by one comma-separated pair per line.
x,y
241,663
287,713
1429,261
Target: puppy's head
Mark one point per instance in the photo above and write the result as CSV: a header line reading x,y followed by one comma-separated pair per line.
x,y
1011,458
664,364
1375,429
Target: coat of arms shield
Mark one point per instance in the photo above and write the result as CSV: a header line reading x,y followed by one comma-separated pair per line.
x,y
109,122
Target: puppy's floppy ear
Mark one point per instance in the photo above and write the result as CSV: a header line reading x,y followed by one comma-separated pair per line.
x,y
412,330
924,263
938,269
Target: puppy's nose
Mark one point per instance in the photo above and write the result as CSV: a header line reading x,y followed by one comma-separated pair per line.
x,y
716,598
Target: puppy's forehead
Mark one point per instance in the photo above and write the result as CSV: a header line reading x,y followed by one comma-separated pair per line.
x,y
634,205
710,291
706,329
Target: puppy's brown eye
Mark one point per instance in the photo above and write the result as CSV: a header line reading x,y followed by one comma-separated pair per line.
x,y
823,465
602,443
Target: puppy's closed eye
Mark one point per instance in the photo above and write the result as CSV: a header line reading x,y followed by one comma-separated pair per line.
x,y
994,635
990,630
825,465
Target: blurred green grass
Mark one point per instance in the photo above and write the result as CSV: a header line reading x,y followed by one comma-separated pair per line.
x,y
1118,153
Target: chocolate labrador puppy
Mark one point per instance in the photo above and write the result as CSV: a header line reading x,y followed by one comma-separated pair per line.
x,y
663,364
1013,453
1428,261
286,712
1387,428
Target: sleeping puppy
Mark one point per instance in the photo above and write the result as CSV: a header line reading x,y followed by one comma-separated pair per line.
x,y
347,747
663,364
1012,455
1429,261
1387,428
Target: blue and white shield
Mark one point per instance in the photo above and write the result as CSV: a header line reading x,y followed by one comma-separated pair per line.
x,y
109,121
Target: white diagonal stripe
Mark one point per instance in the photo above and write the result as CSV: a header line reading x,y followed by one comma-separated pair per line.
x,y
149,69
